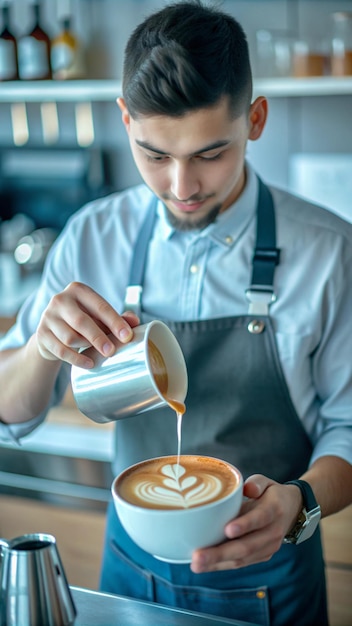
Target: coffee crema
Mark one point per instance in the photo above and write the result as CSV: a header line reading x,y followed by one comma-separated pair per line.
x,y
162,483
159,371
158,367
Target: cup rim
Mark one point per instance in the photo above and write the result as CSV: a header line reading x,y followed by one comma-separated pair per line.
x,y
45,538
176,511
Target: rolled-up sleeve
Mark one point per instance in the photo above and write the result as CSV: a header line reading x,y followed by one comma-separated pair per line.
x,y
54,279
14,432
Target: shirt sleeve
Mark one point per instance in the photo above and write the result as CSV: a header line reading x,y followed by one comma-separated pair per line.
x,y
56,276
312,317
332,366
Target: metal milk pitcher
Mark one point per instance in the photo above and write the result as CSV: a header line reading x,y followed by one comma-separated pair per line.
x,y
143,374
33,585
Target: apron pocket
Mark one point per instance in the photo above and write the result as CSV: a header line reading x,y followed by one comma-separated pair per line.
x,y
126,578
241,604
123,577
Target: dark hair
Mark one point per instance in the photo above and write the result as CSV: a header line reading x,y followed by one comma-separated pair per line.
x,y
185,57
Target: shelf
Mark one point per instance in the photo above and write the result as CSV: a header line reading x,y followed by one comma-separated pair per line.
x,y
60,91
314,86
108,90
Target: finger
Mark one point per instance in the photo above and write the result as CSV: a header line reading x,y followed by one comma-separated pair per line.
x,y
53,349
254,548
255,520
57,339
71,327
131,317
225,565
94,306
229,564
215,559
256,485
255,514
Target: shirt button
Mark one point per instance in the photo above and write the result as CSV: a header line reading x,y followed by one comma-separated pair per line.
x,y
229,240
194,269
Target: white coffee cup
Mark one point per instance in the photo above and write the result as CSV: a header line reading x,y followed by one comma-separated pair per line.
x,y
172,534
126,384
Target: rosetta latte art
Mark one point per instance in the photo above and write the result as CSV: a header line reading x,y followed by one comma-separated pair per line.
x,y
176,488
177,483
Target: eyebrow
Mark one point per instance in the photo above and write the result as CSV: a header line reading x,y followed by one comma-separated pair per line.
x,y
208,148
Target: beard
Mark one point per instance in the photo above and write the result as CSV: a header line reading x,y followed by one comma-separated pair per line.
x,y
190,223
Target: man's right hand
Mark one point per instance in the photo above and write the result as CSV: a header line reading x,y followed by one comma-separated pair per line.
x,y
79,318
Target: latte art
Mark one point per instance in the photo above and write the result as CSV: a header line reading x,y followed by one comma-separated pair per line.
x,y
179,489
164,484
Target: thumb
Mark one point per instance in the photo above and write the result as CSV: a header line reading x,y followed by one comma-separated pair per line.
x,y
255,486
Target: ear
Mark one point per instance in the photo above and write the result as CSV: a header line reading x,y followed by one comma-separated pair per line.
x,y
258,114
125,114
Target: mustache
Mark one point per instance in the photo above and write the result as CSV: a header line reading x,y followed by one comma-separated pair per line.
x,y
190,200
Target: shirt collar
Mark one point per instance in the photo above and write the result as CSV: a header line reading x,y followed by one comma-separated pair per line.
x,y
229,226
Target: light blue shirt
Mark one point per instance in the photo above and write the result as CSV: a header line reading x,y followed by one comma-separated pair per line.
x,y
204,274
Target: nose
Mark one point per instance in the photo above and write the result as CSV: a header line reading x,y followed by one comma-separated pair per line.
x,y
184,182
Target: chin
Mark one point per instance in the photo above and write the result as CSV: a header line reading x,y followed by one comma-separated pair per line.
x,y
194,222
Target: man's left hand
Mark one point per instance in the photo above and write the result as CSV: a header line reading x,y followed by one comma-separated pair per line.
x,y
266,516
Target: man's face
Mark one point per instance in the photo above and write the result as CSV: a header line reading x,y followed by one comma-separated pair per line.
x,y
193,163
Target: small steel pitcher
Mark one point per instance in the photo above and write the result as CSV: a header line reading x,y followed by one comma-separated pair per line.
x,y
125,384
33,585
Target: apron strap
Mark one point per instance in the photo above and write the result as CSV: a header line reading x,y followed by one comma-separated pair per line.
x,y
133,295
266,256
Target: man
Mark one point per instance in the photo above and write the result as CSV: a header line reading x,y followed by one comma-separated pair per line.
x,y
255,284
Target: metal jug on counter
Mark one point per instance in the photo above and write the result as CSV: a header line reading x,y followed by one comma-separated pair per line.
x,y
33,585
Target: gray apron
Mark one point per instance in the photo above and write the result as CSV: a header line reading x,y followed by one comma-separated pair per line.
x,y
238,408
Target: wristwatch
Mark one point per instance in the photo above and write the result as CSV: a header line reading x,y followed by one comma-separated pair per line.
x,y
308,519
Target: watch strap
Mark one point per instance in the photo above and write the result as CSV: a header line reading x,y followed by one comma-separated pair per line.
x,y
309,501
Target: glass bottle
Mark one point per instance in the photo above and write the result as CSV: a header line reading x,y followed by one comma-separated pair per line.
x,y
274,53
8,48
310,58
341,44
67,60
34,51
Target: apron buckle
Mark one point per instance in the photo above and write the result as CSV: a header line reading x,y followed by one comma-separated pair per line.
x,y
133,299
259,300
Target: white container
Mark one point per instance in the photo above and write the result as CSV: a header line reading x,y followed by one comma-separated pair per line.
x,y
173,534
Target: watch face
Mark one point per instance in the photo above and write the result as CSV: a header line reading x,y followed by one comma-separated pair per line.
x,y
308,520
305,526
295,532
310,525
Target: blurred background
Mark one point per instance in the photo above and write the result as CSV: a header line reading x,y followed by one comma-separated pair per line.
x,y
62,144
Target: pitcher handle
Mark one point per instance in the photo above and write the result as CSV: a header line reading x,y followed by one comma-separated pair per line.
x,y
3,544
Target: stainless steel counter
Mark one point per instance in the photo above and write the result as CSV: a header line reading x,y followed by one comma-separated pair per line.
x,y
98,609
60,464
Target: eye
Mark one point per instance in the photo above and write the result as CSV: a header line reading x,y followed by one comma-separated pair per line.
x,y
155,159
214,157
